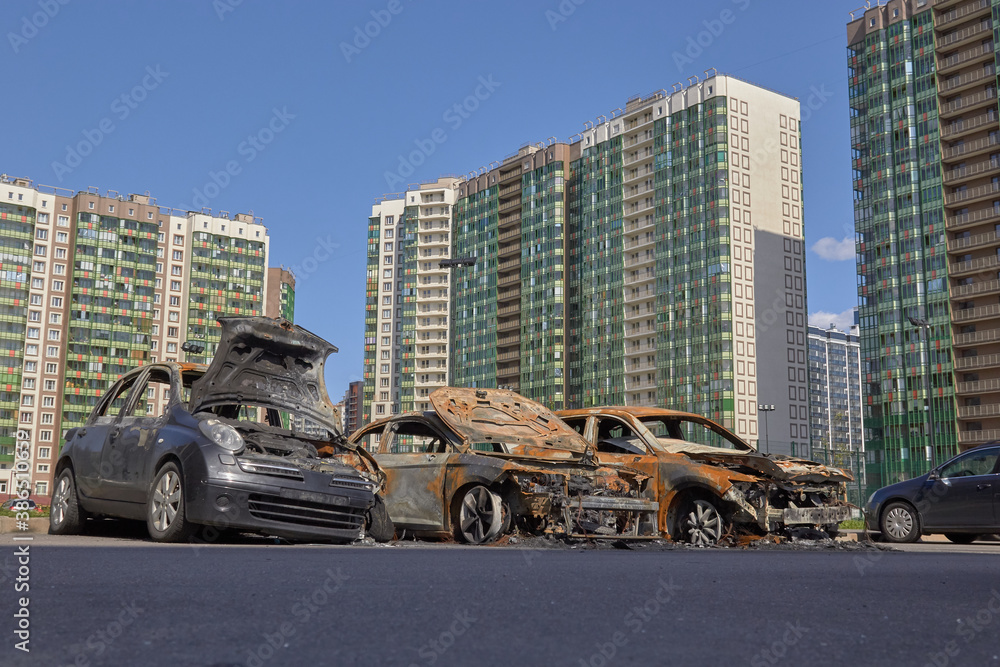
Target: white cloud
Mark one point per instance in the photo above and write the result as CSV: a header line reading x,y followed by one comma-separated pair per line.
x,y
833,250
842,321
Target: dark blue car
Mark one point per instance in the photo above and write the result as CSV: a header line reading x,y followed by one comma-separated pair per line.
x,y
960,498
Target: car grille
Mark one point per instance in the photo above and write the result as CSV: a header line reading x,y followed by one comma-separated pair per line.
x,y
275,469
351,483
304,512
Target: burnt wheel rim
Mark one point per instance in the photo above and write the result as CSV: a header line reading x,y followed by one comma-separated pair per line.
x,y
703,524
60,501
898,522
166,500
479,515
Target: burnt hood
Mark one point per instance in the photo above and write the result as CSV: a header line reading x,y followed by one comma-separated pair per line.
x,y
776,466
499,415
268,362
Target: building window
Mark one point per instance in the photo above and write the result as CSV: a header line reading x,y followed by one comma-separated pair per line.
x,y
41,488
44,452
175,285
41,234
31,349
178,255
57,285
59,269
50,369
40,250
52,351
178,239
57,302
29,383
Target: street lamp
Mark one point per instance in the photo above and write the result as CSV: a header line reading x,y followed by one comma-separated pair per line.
x,y
451,264
926,327
767,439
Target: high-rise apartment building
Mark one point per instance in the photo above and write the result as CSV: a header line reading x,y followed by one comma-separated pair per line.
x,y
94,285
407,298
280,300
656,258
353,406
835,414
926,156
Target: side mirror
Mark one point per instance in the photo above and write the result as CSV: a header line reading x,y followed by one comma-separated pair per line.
x,y
933,476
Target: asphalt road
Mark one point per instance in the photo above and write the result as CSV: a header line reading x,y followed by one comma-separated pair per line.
x,y
111,601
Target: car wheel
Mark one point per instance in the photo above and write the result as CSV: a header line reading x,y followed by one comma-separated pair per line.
x,y
380,526
65,515
900,523
700,523
478,517
961,538
165,507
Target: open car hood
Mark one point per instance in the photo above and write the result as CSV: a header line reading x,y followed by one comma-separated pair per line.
x,y
271,363
499,415
778,467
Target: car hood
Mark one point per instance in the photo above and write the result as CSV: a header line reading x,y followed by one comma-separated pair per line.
x,y
268,362
906,488
499,415
784,468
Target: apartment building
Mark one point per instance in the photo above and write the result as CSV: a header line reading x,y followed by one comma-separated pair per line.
x,y
835,406
407,298
353,406
656,258
280,299
926,156
92,285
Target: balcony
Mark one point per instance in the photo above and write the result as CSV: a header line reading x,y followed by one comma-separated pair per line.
x,y
978,387
975,289
513,279
978,437
969,242
510,248
976,338
507,175
962,13
639,314
511,205
638,156
509,310
510,218
967,150
973,266
968,102
965,33
509,325
962,128
964,173
644,172
640,241
981,52
975,218
642,260
507,341
972,194
979,313
507,189
508,294
644,330
973,411
981,361
508,356
640,278
955,84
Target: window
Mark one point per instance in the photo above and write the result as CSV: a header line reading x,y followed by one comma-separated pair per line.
x,y
38,267
54,318
159,267
176,270
52,351
41,488
173,316
31,367
37,283
34,316
111,208
54,334
47,418
57,285
34,332
26,417
44,452
172,332
57,302
973,464
175,285
178,255
62,237
31,349
50,385
36,300
178,239
41,234
156,329
48,402
60,253
29,383
40,250
175,301
59,269
50,369
27,399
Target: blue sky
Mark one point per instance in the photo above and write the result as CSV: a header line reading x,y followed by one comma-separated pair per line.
x,y
310,114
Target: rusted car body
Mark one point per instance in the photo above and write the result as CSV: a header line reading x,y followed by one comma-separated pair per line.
x,y
706,476
486,460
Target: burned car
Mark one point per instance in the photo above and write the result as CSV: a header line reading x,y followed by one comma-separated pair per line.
x,y
707,477
248,443
487,460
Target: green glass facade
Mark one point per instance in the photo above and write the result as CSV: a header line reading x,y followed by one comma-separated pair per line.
x,y
901,247
16,235
371,317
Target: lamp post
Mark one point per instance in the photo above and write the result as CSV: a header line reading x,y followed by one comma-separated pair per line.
x,y
452,264
767,438
926,327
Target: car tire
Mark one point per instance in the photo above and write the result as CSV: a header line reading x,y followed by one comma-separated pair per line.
x,y
165,507
477,515
380,526
699,523
962,538
65,515
900,523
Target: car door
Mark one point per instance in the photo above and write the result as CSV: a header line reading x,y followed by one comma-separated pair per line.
x,y
124,459
90,439
965,493
414,457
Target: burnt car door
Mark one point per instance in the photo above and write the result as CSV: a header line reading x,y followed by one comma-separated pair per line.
x,y
414,456
90,439
125,464
964,492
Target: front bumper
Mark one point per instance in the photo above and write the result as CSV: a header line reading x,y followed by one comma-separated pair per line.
x,y
327,514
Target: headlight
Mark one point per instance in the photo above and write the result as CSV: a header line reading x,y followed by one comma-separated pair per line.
x,y
223,435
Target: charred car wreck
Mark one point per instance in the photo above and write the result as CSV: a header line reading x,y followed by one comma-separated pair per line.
x,y
707,477
487,460
249,443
